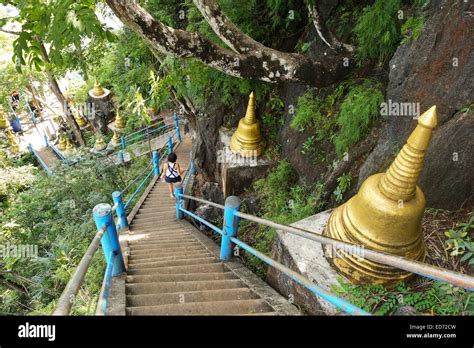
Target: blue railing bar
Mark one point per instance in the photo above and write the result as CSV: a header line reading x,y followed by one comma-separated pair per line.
x,y
150,126
138,189
200,219
159,136
423,269
64,304
107,279
56,150
433,272
140,136
137,177
39,159
220,206
336,301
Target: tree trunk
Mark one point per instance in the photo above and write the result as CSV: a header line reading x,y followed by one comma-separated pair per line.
x,y
54,86
247,58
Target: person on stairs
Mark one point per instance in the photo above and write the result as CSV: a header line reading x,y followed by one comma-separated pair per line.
x,y
172,172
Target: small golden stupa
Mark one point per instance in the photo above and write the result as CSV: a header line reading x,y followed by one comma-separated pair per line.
x,y
100,144
116,139
13,142
385,215
247,139
62,143
97,91
3,119
120,122
69,147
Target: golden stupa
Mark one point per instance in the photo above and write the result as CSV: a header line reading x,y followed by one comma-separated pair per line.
x,y
100,144
3,119
120,122
385,215
81,120
116,139
13,142
62,143
247,139
70,149
97,91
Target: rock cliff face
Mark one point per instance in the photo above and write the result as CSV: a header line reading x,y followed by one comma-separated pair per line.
x,y
437,69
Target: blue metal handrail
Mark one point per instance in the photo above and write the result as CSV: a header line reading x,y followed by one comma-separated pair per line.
x,y
229,238
39,159
138,188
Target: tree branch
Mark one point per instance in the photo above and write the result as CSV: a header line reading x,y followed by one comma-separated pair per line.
x,y
247,58
326,35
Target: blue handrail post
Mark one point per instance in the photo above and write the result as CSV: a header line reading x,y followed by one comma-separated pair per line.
x,y
170,145
121,157
102,214
179,201
176,122
122,139
231,223
117,197
156,163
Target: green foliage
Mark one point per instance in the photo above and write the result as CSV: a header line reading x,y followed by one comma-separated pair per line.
x,y
377,32
412,28
359,108
344,184
282,200
460,243
63,24
55,213
273,118
318,113
434,298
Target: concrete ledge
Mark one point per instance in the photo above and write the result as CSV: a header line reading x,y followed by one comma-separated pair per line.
x,y
307,258
280,304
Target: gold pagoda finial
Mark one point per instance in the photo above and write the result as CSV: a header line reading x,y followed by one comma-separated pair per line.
x,y
62,143
116,138
69,147
3,119
247,139
399,182
98,90
13,142
250,117
119,120
100,144
385,215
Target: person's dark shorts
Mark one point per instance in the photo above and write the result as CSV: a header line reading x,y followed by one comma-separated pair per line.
x,y
173,180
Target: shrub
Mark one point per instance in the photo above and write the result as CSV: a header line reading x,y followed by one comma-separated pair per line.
x,y
376,31
360,107
412,28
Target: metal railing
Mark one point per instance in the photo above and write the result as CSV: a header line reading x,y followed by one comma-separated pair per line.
x,y
169,127
229,239
107,234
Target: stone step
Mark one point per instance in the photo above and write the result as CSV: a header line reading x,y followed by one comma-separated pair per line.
x,y
161,231
164,245
153,264
188,269
167,287
153,257
167,251
189,297
153,226
155,216
236,307
158,238
181,277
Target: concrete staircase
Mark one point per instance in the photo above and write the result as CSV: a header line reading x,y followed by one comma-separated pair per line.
x,y
170,272
173,269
